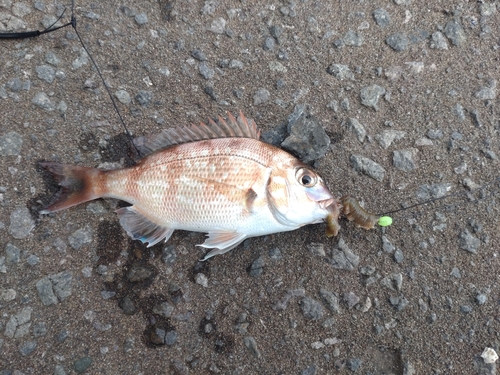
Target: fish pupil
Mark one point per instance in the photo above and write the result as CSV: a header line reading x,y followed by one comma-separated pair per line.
x,y
306,180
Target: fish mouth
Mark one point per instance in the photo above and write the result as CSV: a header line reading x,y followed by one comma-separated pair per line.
x,y
326,203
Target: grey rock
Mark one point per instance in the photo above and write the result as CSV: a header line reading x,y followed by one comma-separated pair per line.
x,y
398,256
257,267
343,257
261,96
127,305
402,2
488,9
201,279
20,9
144,98
33,260
476,120
138,273
276,135
7,295
141,19
164,309
235,64
21,223
80,238
269,44
107,294
45,291
59,370
455,272
169,255
466,309
367,167
487,92
404,160
275,254
46,73
398,302
27,348
386,138
351,299
310,370
10,23
199,55
311,308
307,140
251,345
39,329
354,364
398,42
171,338
12,254
481,299
359,130
438,41
469,242
80,61
91,15
330,299
11,144
426,192
455,32
393,281
317,249
81,365
370,96
42,101
123,96
435,134
206,71
459,111
62,284
340,71
218,25
381,17
52,59
353,38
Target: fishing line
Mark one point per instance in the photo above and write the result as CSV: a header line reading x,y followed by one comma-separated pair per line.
x,y
35,33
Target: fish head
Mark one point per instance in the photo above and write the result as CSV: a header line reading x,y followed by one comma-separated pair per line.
x,y
299,196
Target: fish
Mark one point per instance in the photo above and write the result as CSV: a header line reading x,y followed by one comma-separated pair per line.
x,y
217,178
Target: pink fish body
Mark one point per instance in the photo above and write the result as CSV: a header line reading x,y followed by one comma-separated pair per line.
x,y
218,179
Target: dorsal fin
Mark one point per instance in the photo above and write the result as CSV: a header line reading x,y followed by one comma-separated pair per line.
x,y
241,127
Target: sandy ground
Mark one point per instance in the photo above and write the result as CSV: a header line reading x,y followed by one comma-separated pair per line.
x,y
420,297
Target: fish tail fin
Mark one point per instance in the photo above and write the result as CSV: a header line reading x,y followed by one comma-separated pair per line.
x,y
78,185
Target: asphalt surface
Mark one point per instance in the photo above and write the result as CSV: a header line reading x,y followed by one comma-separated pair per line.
x,y
407,94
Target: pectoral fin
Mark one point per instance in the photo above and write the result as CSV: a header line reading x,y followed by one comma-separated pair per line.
x,y
139,227
222,242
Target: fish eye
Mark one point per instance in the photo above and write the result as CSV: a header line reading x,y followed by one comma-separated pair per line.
x,y
306,177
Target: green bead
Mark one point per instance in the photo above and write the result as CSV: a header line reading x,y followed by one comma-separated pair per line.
x,y
385,221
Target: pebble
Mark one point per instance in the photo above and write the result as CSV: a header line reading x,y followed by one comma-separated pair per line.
x,y
123,96
307,139
367,167
351,299
138,273
310,370
359,130
426,192
261,96
171,338
12,254
218,25
393,281
46,73
438,41
81,365
164,309
487,92
455,32
269,44
33,260
169,255
257,267
40,329
42,101
469,242
387,137
455,272
381,17
354,364
353,38
311,308
7,295
11,144
201,279
343,258
340,71
127,305
489,355
398,42
80,238
21,223
370,96
18,324
404,160
27,348
207,72
398,256
481,299
141,19
251,345
55,288
144,98
330,299
59,370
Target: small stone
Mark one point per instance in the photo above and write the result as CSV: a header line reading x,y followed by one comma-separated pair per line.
x,y
42,101
455,272
465,309
171,338
367,167
10,144
169,255
45,291
398,42
127,305
467,241
218,25
404,160
386,138
381,17
353,38
481,299
269,44
455,32
144,98
20,9
398,256
7,295
343,257
46,73
489,355
351,299
359,130
12,254
310,370
21,223
354,364
341,72
206,71
311,308
393,281
123,96
27,348
261,96
370,95
438,41
257,267
141,19
81,365
164,309
33,260
330,299
62,284
427,192
487,92
317,249
39,329
138,273
251,345
80,238
201,279
59,370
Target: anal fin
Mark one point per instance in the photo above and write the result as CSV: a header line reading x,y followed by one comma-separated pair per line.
x,y
139,227
222,242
